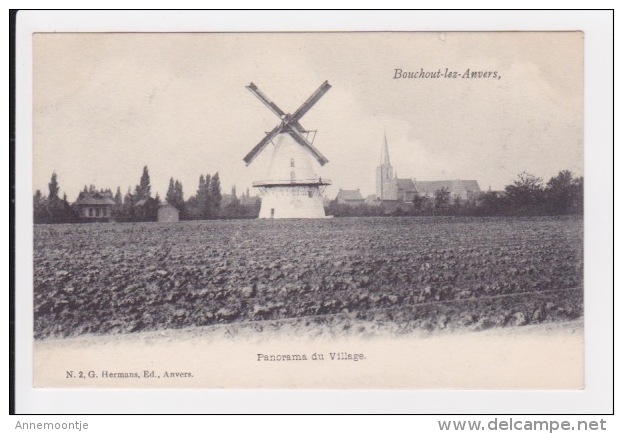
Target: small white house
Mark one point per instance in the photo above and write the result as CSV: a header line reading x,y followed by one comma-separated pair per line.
x,y
168,213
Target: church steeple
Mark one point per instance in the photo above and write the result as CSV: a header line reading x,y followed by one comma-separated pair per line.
x,y
385,152
385,176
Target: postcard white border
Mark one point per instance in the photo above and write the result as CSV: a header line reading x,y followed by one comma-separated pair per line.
x,y
596,398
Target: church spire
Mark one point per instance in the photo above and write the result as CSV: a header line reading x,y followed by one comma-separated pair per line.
x,y
385,152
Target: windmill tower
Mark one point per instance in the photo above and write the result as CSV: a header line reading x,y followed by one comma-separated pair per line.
x,y
292,188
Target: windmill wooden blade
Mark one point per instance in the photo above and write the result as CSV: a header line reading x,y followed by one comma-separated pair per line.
x,y
305,143
271,105
304,108
260,146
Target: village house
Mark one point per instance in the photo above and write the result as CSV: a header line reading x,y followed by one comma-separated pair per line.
x,y
95,206
349,197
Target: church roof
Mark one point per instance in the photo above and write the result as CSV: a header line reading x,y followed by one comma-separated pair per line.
x,y
456,186
405,184
349,195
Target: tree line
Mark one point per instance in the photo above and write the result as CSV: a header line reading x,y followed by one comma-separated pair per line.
x,y
139,205
527,195
52,209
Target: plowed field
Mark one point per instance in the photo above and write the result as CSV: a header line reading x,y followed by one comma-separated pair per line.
x,y
399,274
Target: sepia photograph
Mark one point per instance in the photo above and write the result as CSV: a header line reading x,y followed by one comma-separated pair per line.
x,y
351,210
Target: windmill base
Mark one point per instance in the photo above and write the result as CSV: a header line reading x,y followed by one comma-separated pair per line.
x,y
291,202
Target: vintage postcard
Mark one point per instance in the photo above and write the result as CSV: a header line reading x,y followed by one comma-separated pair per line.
x,y
315,210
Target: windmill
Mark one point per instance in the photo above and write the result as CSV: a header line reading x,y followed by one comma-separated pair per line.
x,y
292,189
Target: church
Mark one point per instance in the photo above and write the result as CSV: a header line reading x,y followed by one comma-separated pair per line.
x,y
391,188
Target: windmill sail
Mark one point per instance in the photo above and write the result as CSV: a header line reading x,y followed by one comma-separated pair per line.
x,y
304,108
272,106
260,146
289,123
305,143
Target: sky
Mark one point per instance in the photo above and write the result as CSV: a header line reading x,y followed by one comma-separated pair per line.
x,y
107,104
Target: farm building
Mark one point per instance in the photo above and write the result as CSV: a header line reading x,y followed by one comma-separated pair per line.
x,y
168,214
94,206
350,197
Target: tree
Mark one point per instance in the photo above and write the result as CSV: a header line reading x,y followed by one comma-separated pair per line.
x,y
53,188
192,208
146,210
564,194
234,197
442,199
179,199
170,197
127,209
491,204
196,205
40,213
457,205
206,209
118,197
117,209
143,190
215,195
52,209
577,196
203,196
418,203
179,191
525,195
175,196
